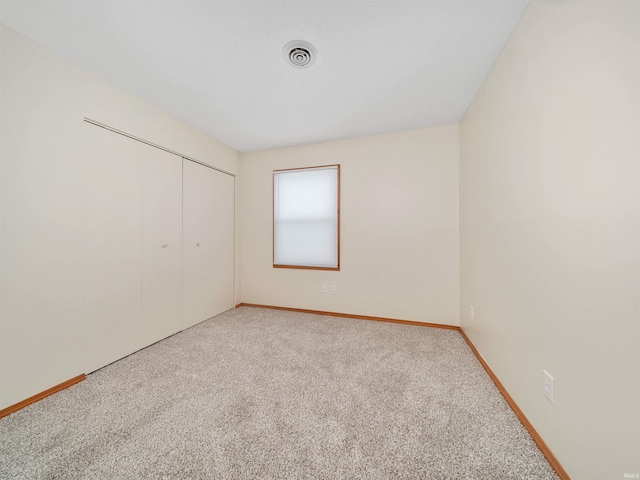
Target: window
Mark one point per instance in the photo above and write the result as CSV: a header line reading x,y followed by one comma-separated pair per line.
x,y
306,218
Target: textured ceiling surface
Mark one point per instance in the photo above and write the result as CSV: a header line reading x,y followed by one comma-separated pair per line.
x,y
382,65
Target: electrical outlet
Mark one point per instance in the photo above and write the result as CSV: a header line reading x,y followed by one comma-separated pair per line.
x,y
333,290
471,313
324,288
548,385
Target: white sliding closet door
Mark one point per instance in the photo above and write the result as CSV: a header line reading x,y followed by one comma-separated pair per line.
x,y
113,227
208,214
161,246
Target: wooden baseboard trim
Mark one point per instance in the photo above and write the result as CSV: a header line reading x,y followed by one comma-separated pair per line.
x,y
348,315
39,396
546,451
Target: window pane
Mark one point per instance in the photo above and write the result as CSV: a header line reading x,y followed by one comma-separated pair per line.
x,y
306,217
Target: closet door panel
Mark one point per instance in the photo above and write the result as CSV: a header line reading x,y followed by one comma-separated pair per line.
x,y
113,228
208,214
161,246
223,242
198,226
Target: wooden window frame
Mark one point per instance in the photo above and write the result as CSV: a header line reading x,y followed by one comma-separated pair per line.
x,y
273,221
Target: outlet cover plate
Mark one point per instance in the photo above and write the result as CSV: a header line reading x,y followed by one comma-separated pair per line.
x,y
548,386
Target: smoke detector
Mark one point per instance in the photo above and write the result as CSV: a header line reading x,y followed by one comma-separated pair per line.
x,y
299,54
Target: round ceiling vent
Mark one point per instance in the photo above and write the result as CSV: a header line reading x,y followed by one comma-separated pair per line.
x,y
299,54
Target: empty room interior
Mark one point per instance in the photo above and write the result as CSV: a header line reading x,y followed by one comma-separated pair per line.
x,y
320,239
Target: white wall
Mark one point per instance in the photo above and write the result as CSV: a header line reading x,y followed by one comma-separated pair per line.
x,y
44,100
550,228
399,227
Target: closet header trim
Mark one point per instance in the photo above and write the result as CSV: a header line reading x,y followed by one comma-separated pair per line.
x,y
120,132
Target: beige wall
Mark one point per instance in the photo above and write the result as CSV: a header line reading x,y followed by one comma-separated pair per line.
x,y
550,228
399,227
44,100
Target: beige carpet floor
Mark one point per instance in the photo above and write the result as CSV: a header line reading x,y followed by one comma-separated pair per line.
x,y
257,393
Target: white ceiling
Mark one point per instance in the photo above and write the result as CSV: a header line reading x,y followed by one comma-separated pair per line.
x,y
382,66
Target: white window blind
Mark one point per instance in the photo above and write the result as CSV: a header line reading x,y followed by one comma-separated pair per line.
x,y
305,217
